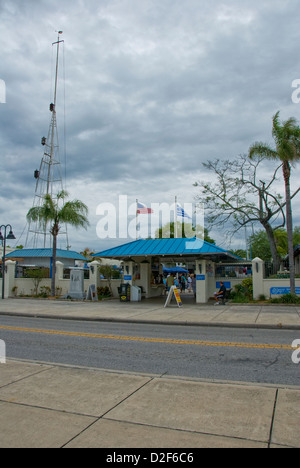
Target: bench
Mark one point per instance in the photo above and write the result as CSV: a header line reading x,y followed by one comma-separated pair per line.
x,y
226,297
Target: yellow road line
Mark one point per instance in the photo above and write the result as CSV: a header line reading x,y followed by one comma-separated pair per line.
x,y
149,340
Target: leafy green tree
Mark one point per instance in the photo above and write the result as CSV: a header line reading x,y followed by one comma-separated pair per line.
x,y
240,253
287,141
109,273
184,230
37,275
260,246
235,196
55,212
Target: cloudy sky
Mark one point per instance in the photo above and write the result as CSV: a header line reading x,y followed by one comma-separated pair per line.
x,y
148,91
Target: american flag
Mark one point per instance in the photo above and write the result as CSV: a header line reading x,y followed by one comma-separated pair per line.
x,y
142,209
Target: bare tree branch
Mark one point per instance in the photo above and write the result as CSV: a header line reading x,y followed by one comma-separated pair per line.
x,y
239,197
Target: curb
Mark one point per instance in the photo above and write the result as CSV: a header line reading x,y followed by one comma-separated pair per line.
x,y
261,326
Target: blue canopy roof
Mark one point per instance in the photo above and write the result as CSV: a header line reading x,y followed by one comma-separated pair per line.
x,y
166,247
45,253
175,270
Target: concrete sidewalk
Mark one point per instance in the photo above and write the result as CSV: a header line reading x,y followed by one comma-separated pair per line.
x,y
45,405
153,311
61,406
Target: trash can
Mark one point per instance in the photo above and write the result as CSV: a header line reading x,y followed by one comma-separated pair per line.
x,y
125,291
136,294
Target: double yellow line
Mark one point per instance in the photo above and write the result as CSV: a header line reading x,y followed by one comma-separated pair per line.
x,y
149,340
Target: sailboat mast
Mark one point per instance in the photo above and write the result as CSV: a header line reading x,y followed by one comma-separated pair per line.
x,y
56,73
48,177
53,110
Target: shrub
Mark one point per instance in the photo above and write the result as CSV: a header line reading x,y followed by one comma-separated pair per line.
x,y
45,291
243,292
37,275
238,298
247,284
262,297
103,292
286,299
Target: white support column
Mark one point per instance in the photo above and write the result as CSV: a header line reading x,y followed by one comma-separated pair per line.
x,y
94,273
59,270
258,277
145,269
128,272
201,282
9,278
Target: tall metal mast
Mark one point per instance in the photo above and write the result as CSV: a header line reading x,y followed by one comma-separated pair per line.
x,y
49,176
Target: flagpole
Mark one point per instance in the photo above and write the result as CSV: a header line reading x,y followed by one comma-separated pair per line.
x,y
175,224
136,220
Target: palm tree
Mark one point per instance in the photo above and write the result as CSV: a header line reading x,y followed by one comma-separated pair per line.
x,y
287,140
74,213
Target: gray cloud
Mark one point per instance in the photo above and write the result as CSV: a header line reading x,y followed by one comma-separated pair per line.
x,y
153,89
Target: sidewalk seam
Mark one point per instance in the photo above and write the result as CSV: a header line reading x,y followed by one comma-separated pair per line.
x,y
189,431
273,418
27,376
108,411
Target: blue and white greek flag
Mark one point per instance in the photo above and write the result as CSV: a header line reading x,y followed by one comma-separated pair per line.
x,y
181,213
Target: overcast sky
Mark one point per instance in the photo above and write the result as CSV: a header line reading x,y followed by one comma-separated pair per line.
x,y
153,88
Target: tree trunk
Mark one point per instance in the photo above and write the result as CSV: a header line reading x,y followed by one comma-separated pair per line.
x,y
289,224
54,234
273,247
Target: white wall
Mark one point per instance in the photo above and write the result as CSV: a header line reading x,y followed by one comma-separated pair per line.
x,y
270,287
25,286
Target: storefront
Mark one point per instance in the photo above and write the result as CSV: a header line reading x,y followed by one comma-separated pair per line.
x,y
144,261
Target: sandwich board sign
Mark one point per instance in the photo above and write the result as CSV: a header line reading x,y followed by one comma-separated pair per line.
x,y
173,291
92,295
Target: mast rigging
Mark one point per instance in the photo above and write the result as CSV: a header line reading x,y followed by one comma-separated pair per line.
x,y
49,176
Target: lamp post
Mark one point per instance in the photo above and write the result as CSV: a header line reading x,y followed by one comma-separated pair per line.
x,y
8,236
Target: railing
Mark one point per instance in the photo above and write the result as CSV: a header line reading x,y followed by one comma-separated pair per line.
x,y
274,273
67,273
240,270
31,272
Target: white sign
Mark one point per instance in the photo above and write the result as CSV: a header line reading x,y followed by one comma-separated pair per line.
x,y
173,291
92,293
76,290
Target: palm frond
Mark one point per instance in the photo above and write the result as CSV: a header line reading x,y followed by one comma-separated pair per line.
x,y
287,139
74,213
261,150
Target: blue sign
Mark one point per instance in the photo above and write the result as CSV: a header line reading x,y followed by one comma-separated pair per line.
x,y
127,277
227,284
279,291
200,277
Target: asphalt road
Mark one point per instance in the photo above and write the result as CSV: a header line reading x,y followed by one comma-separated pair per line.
x,y
248,355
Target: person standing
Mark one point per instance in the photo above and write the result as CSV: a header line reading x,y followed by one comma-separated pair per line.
x,y
190,283
170,282
194,284
182,283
